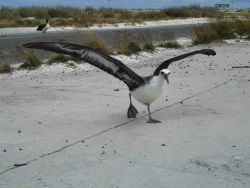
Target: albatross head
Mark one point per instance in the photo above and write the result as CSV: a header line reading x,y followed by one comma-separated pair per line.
x,y
165,73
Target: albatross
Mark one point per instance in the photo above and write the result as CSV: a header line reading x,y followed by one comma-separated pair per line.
x,y
144,89
44,27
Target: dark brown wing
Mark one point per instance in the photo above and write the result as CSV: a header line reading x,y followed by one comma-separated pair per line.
x,y
95,58
166,63
40,27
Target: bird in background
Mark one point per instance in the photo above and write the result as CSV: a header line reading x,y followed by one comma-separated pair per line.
x,y
44,27
144,89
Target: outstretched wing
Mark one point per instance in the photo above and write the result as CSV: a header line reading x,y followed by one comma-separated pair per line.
x,y
166,63
95,58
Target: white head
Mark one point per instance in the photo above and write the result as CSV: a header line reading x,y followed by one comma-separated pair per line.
x,y
165,73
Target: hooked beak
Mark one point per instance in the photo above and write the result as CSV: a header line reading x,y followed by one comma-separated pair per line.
x,y
166,78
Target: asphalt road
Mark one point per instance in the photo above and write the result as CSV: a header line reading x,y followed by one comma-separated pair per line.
x,y
10,44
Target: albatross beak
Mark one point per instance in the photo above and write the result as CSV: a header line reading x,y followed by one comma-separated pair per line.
x,y
166,78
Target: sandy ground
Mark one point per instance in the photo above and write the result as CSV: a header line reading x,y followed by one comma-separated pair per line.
x,y
68,128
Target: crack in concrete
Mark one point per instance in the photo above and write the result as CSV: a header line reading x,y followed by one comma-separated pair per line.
x,y
122,124
63,89
86,92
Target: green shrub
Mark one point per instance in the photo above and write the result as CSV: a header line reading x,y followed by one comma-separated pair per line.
x,y
222,29
170,44
5,68
130,48
149,15
31,61
148,47
192,11
242,27
58,58
108,15
205,35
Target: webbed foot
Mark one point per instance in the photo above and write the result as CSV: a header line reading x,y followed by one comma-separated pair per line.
x,y
151,120
132,111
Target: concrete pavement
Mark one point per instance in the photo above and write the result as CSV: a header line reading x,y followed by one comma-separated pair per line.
x,y
71,130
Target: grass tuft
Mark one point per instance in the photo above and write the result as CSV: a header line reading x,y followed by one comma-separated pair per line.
x,y
68,60
148,47
205,35
130,48
98,43
58,58
5,68
31,61
222,29
170,44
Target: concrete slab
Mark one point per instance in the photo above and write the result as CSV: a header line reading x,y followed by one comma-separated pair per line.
x,y
71,130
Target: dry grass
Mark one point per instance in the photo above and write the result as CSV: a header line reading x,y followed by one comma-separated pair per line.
x,y
205,35
65,16
170,44
194,11
129,43
130,48
97,43
31,61
222,29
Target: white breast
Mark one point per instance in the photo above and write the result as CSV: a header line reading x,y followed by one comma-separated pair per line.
x,y
149,92
46,28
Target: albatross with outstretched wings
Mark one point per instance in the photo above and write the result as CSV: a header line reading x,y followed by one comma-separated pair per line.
x,y
144,89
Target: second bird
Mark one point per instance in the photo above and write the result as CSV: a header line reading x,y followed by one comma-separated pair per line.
x,y
44,27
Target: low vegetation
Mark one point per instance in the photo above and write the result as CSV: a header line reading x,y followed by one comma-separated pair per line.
x,y
193,11
5,68
222,29
69,16
130,48
148,47
30,59
170,44
205,35
97,43
58,58
128,43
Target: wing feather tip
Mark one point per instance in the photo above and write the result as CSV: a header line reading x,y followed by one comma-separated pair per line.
x,y
209,52
31,45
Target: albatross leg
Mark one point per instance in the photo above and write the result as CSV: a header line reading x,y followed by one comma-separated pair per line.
x,y
131,109
151,120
